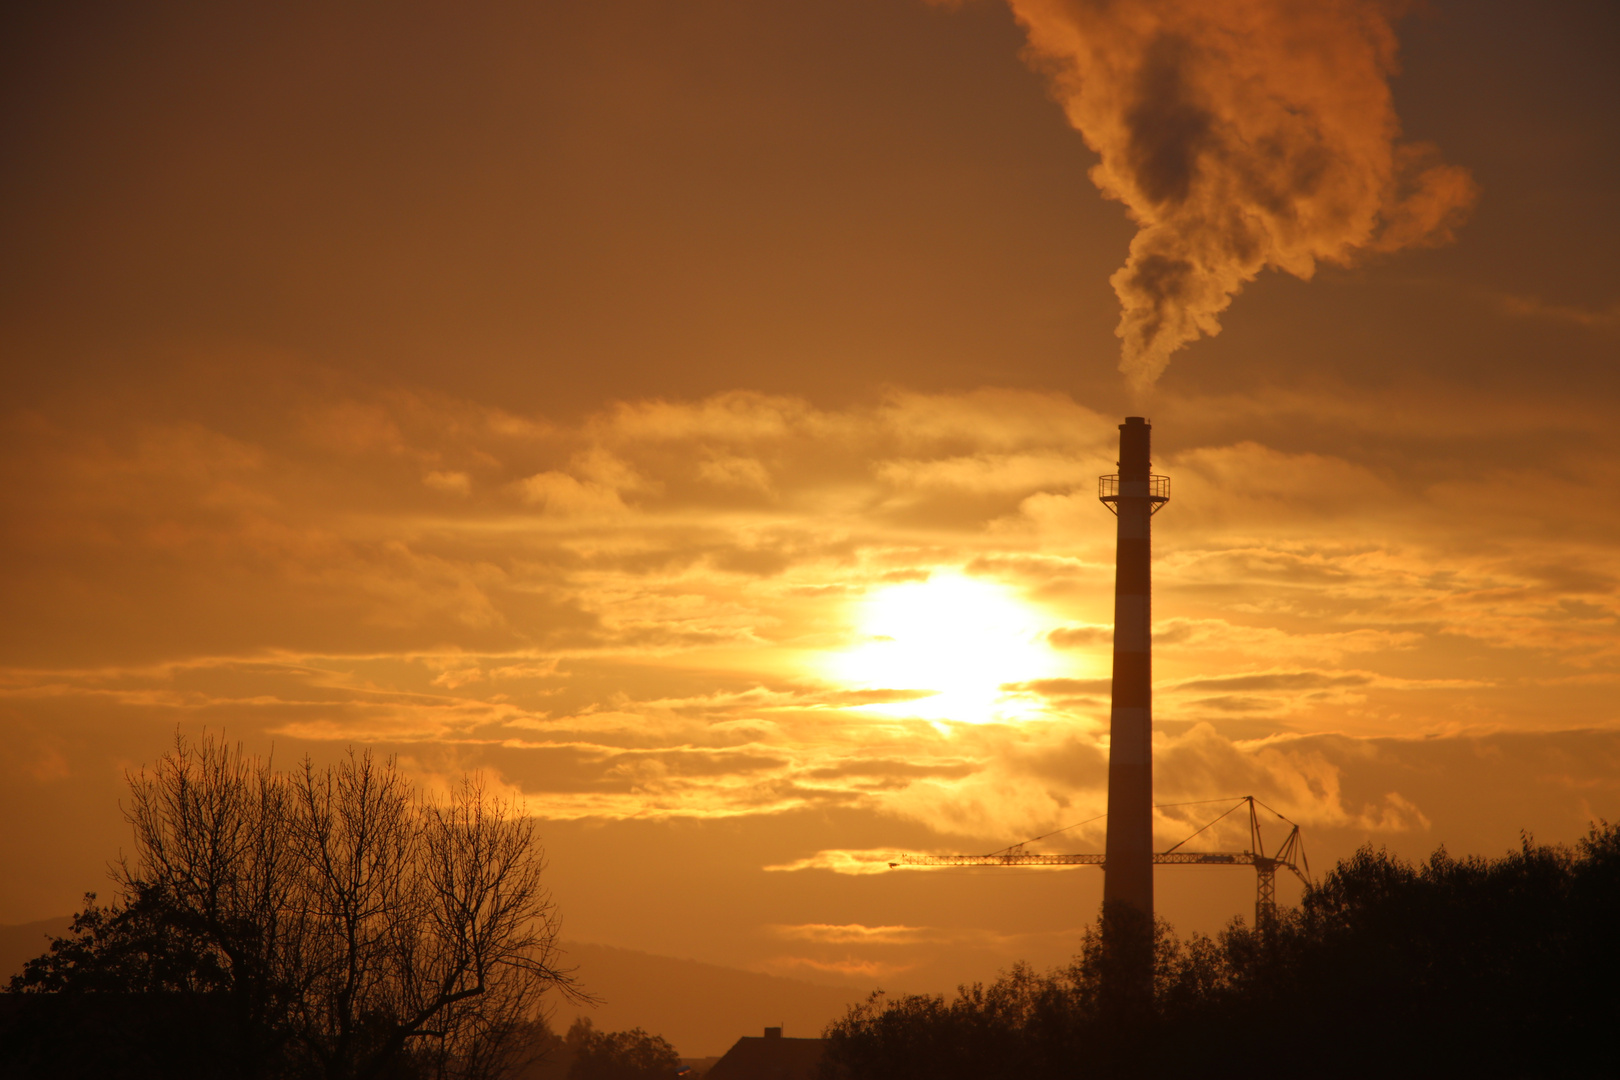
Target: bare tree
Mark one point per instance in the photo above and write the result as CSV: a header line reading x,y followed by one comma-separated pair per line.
x,y
363,928
216,858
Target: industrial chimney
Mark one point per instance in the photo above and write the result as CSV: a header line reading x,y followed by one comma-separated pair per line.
x,y
1134,495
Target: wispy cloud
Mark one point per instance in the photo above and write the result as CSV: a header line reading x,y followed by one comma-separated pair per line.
x,y
1531,307
871,861
856,933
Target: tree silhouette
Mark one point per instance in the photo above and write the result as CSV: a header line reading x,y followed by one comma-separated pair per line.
x,y
1472,966
618,1055
337,924
585,1053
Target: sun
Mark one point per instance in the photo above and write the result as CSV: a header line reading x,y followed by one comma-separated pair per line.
x,y
959,639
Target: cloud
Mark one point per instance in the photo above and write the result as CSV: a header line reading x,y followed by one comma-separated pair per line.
x,y
1062,687
567,496
1081,637
855,933
1530,307
449,482
1303,777
852,968
1278,680
734,471
1254,479
1011,473
841,861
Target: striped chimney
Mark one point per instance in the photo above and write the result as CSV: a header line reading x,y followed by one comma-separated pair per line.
x,y
1134,495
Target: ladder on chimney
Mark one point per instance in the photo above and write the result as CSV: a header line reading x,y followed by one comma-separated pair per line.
x,y
1289,855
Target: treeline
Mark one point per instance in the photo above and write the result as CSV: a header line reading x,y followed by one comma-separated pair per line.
x,y
1455,967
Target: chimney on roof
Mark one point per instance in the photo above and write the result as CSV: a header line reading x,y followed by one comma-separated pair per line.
x,y
773,1033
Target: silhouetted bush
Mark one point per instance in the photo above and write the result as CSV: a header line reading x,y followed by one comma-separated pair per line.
x,y
1474,966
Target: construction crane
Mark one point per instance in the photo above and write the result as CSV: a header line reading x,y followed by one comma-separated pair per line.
x,y
1290,855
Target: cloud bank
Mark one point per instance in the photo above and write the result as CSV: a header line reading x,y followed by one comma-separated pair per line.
x,y
648,614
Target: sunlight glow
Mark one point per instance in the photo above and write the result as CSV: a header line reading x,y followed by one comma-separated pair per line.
x,y
959,637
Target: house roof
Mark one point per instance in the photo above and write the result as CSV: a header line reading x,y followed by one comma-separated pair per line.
x,y
769,1058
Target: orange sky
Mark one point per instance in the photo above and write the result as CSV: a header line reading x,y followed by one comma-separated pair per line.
x,y
690,414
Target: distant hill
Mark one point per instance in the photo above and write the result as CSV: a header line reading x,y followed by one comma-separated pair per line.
x,y
21,942
702,1009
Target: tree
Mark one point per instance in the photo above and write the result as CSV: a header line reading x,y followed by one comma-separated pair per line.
x,y
618,1055
349,927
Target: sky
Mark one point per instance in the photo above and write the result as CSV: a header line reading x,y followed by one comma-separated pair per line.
x,y
688,415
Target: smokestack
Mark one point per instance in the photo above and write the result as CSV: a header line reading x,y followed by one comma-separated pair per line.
x,y
1134,495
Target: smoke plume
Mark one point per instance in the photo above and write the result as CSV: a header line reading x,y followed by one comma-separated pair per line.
x,y
1240,134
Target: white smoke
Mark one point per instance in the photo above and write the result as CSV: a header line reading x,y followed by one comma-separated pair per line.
x,y
1240,135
